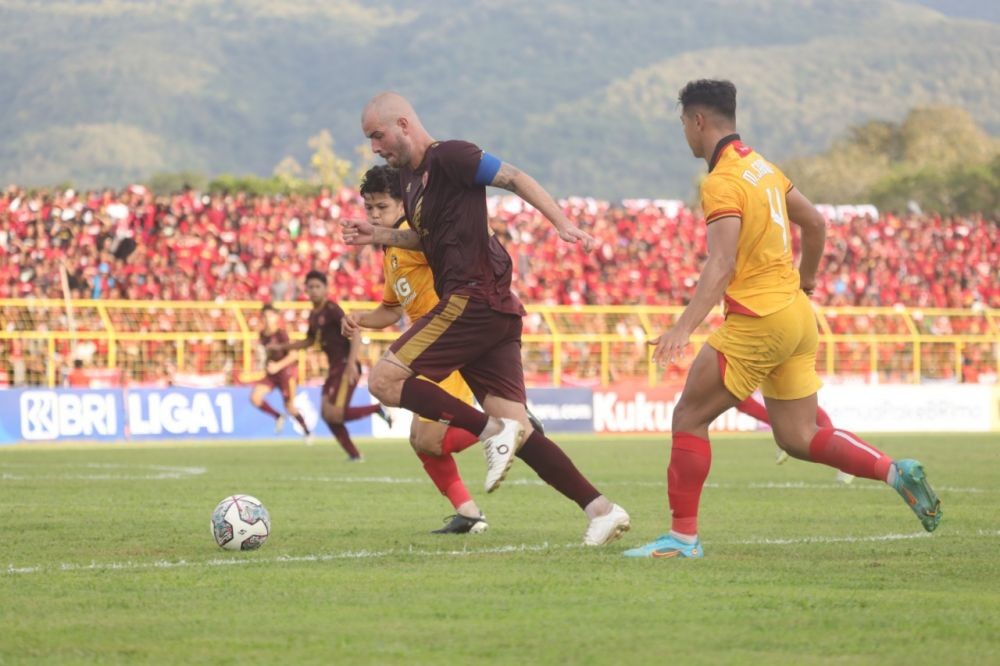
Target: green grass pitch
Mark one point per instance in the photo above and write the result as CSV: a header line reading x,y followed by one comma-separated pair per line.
x,y
106,557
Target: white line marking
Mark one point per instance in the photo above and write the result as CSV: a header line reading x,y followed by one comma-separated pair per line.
x,y
160,472
765,485
789,542
464,552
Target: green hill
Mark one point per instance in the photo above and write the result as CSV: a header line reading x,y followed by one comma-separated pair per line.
x,y
581,93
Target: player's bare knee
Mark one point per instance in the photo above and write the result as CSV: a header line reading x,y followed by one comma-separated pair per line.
x,y
426,443
384,385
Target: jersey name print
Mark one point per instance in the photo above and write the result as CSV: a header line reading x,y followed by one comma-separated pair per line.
x,y
744,185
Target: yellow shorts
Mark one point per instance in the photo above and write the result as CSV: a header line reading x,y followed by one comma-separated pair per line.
x,y
776,352
455,386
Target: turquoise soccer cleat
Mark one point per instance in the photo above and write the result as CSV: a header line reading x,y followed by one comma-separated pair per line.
x,y
667,546
911,484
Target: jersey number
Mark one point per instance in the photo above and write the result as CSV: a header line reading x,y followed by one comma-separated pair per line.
x,y
775,201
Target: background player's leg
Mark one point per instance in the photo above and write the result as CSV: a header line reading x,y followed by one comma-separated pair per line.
x,y
257,400
330,415
751,407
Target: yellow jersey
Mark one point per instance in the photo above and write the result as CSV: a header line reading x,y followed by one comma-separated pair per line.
x,y
408,281
741,183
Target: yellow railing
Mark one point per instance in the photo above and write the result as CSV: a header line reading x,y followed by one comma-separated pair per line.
x,y
40,338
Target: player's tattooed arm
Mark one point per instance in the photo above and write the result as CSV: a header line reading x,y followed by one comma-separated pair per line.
x,y
361,232
507,177
404,238
523,185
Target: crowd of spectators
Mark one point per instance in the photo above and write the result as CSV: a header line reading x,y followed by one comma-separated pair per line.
x,y
131,244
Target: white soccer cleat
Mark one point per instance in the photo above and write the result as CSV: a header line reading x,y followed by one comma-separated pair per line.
x,y
605,529
844,478
781,457
310,439
500,450
279,424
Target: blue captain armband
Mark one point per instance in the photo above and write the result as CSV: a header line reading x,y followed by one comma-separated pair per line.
x,y
489,165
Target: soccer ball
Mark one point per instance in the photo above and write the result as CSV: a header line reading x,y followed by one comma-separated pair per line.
x,y
240,522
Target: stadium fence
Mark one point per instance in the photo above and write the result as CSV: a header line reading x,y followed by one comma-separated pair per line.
x,y
151,342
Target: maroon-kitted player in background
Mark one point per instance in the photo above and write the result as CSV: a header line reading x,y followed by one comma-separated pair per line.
x,y
279,372
342,358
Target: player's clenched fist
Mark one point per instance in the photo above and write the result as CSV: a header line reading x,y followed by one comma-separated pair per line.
x,y
358,232
577,235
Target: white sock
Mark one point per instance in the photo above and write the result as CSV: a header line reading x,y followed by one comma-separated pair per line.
x,y
689,539
891,475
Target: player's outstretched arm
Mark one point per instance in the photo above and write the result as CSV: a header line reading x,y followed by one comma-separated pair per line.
x,y
362,232
382,316
723,241
803,214
513,179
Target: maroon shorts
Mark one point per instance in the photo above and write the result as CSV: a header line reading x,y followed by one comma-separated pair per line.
x,y
336,389
464,334
284,381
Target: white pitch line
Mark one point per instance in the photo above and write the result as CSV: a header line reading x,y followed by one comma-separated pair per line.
x,y
327,557
163,472
766,485
465,552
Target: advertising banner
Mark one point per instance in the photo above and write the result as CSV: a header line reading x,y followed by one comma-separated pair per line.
x,y
51,415
634,407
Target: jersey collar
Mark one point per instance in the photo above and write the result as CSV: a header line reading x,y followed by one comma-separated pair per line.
x,y
399,222
719,147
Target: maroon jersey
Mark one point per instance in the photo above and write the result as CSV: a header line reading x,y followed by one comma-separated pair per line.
x,y
324,330
447,209
280,337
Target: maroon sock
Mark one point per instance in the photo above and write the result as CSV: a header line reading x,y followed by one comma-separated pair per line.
x,y
339,431
268,409
355,413
753,408
302,422
432,402
554,467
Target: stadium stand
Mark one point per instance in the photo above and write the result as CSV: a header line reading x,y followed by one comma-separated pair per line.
x,y
168,285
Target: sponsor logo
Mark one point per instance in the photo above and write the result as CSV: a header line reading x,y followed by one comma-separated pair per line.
x,y
180,413
562,412
49,415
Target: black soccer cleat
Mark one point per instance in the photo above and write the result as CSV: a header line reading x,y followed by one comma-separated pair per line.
x,y
384,414
459,524
535,422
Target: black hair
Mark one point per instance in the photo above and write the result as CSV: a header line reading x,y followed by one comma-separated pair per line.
x,y
268,306
381,178
719,96
316,275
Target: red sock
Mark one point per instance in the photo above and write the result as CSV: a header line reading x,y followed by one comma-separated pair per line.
x,y
268,409
457,440
355,413
339,431
822,418
555,468
849,453
434,403
753,408
444,473
690,460
302,422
